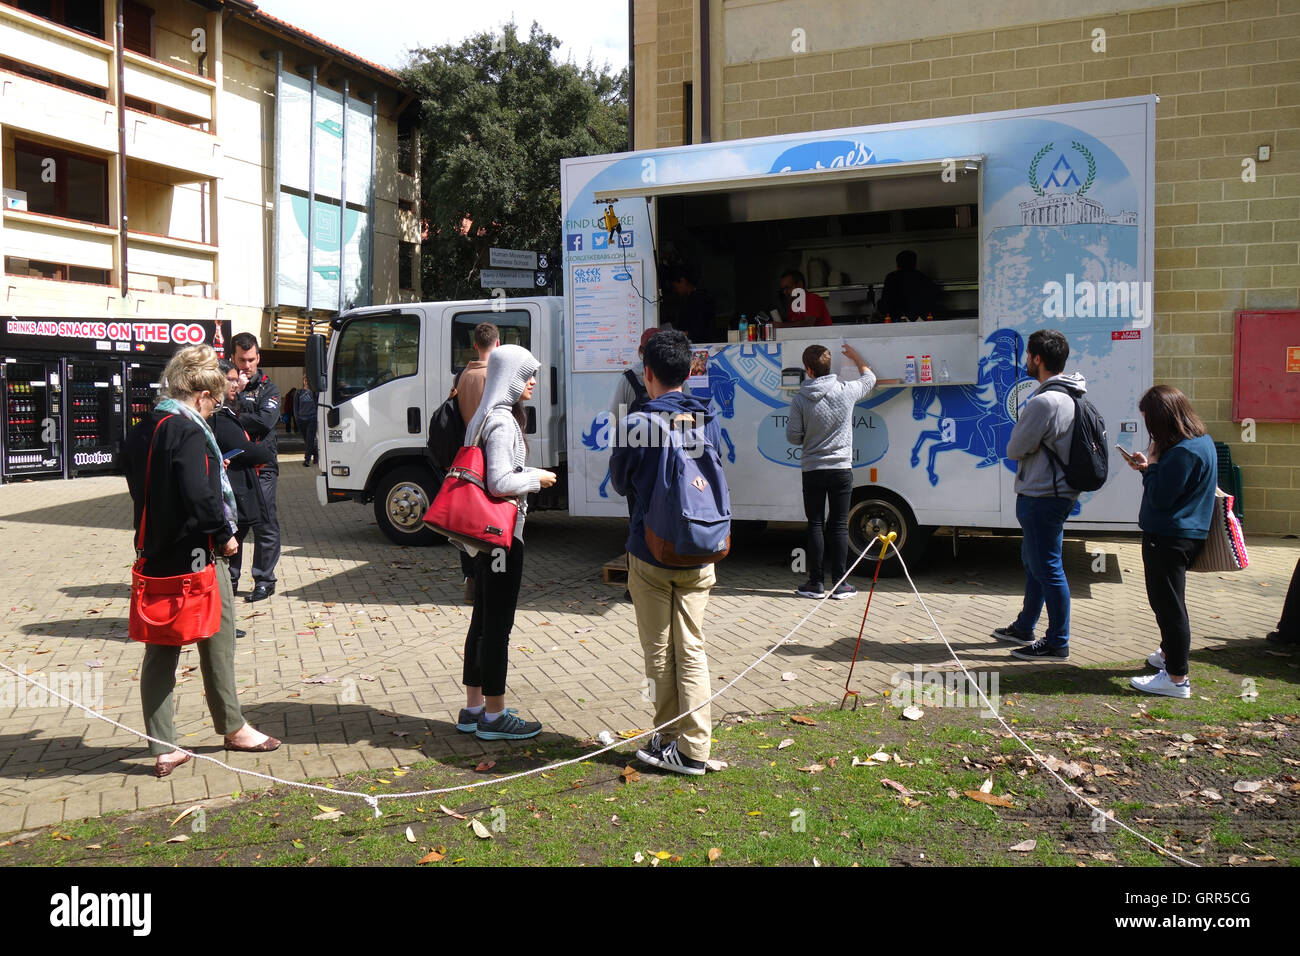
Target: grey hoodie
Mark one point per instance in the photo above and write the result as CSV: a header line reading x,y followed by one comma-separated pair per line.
x,y
1047,418
821,420
509,367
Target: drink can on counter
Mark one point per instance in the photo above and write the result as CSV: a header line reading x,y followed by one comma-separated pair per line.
x,y
769,331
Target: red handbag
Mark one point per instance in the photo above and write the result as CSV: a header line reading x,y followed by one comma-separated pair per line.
x,y
176,610
464,511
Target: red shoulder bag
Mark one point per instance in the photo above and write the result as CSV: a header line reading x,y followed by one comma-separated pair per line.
x,y
176,610
464,511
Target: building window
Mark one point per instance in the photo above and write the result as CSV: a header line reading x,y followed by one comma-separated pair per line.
x,y
59,183
84,16
137,23
35,269
406,266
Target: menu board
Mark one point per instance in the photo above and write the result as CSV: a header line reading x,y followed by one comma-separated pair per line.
x,y
607,315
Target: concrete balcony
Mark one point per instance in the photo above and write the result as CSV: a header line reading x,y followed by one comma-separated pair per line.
x,y
52,111
29,235
407,189
164,264
47,46
157,140
169,87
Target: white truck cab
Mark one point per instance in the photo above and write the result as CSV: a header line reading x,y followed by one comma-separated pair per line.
x,y
387,370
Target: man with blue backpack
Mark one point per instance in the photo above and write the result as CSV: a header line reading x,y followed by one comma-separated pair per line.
x,y
666,454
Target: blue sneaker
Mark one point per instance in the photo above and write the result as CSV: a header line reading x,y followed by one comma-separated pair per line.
x,y
467,720
507,726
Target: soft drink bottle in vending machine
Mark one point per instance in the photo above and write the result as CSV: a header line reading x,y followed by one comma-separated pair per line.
x,y
218,342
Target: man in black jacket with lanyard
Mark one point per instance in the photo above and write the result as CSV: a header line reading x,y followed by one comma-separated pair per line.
x,y
259,413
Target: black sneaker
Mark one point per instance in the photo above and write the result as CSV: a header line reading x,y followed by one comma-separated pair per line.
x,y
843,592
1013,635
652,751
1039,651
507,726
670,758
1277,637
811,589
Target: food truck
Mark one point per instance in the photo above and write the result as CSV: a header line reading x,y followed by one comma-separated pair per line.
x,y
1018,220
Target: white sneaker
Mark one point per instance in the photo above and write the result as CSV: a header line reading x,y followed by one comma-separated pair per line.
x,y
1157,659
1159,683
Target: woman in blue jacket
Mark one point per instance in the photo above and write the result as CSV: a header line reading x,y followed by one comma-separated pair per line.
x,y
1179,474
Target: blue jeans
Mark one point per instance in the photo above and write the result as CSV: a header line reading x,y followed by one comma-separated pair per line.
x,y
1043,522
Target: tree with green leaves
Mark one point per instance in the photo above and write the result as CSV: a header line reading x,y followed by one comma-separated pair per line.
x,y
498,113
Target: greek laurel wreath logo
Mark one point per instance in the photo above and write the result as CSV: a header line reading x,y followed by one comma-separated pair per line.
x,y
1082,150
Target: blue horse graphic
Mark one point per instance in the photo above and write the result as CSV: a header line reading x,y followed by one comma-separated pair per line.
x,y
967,420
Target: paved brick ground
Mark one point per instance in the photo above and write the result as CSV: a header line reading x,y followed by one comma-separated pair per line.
x,y
387,625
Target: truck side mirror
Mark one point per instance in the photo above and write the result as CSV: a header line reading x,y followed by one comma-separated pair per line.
x,y
314,364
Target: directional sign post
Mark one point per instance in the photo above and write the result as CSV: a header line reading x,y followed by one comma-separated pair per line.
x,y
512,259
506,279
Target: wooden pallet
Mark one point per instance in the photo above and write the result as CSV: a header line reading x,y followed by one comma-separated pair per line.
x,y
615,571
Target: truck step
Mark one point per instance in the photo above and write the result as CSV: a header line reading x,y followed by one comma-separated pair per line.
x,y
614,571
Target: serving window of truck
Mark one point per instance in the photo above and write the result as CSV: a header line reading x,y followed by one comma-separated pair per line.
x,y
891,250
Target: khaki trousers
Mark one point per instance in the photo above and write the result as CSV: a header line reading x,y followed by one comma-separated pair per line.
x,y
217,664
670,605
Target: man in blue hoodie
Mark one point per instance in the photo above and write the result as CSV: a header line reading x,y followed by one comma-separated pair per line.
x,y
1043,498
670,602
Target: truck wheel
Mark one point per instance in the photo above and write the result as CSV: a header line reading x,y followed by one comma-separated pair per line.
x,y
878,512
401,498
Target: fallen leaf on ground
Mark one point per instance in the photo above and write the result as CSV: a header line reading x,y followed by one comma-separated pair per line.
x,y
987,786
638,858
714,853
179,838
913,713
323,679
858,762
185,813
806,721
813,768
716,765
433,856
485,766
1023,847
895,785
662,855
1246,786
479,829
990,799
410,835
788,741
629,774
451,813
789,675
1236,860
328,815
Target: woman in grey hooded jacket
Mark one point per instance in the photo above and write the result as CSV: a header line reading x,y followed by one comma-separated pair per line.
x,y
511,378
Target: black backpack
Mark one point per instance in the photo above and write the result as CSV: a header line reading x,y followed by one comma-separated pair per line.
x,y
446,430
1089,461
642,396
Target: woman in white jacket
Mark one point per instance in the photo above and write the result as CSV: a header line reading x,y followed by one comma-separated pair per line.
x,y
511,378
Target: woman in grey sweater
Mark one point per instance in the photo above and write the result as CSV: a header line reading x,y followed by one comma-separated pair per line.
x,y
511,378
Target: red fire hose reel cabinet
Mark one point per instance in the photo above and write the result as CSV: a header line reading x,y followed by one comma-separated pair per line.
x,y
1266,366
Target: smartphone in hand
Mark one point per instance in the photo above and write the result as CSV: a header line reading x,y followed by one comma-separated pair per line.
x,y
1127,456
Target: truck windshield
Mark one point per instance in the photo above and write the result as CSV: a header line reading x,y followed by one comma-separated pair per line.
x,y
374,350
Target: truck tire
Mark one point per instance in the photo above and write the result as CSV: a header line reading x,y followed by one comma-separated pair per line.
x,y
402,496
876,511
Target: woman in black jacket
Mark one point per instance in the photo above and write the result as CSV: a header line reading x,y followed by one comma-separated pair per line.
x,y
172,459
243,468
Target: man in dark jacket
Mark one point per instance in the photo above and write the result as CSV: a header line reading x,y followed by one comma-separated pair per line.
x,y
259,412
304,413
670,602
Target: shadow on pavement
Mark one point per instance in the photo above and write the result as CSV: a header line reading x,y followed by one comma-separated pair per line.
x,y
95,627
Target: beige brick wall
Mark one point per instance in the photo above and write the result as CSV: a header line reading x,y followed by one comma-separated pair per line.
x,y
1228,75
675,63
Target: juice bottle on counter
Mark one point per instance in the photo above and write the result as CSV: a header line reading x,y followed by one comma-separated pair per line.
x,y
909,370
927,370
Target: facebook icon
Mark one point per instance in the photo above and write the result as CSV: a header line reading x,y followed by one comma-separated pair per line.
x,y
574,242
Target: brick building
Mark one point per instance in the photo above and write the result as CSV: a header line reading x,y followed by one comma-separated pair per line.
x,y
1228,77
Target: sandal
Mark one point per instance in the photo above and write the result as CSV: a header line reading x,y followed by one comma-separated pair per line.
x,y
266,746
161,769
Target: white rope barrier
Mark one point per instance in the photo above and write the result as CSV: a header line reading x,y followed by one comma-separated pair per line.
x,y
372,800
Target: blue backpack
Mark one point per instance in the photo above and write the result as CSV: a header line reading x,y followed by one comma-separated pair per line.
x,y
688,522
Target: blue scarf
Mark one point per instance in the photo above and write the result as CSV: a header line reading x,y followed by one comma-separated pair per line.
x,y
228,505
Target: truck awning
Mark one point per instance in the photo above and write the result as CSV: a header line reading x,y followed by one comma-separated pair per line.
x,y
837,175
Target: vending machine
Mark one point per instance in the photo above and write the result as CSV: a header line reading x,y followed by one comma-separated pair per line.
x,y
94,395
33,418
143,379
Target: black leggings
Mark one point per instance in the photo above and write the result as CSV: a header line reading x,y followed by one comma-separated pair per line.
x,y
496,591
819,486
1165,562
